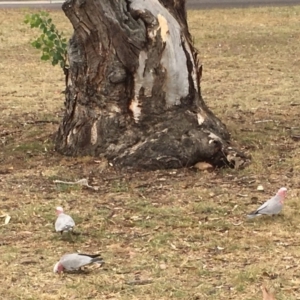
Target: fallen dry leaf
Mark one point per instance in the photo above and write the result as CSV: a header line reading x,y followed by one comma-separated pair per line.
x,y
28,262
260,188
7,219
266,294
203,166
25,232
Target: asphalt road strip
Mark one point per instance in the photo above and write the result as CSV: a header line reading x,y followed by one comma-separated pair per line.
x,y
30,2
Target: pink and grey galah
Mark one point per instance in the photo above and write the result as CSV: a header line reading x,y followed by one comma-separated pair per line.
x,y
74,261
63,222
271,207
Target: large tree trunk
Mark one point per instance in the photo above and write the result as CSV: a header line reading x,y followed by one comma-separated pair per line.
x,y
133,90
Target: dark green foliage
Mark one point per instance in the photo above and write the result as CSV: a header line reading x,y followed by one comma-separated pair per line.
x,y
51,42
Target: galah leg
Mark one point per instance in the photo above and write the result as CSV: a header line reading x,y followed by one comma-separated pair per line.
x,y
70,235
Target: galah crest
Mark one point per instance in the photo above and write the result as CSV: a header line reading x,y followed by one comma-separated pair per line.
x,y
74,261
271,207
63,222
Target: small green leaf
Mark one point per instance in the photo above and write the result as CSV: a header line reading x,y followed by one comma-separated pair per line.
x,y
52,37
54,61
45,56
36,44
43,27
37,22
48,43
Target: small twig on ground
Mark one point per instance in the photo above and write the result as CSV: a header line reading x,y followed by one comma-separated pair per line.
x,y
5,133
83,182
139,282
243,196
237,224
113,178
40,122
263,121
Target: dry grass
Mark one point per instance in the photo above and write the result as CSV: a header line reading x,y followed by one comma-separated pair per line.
x,y
186,231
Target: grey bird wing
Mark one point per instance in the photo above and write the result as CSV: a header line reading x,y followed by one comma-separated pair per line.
x,y
260,210
74,261
64,223
274,206
270,207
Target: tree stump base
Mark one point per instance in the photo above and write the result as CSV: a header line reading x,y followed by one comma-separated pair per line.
x,y
133,88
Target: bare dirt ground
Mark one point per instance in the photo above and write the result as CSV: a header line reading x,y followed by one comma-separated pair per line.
x,y
176,234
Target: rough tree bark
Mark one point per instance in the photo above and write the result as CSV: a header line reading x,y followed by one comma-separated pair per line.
x,y
133,88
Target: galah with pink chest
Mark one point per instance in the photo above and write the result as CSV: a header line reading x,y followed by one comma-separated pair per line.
x,y
74,261
64,222
271,207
